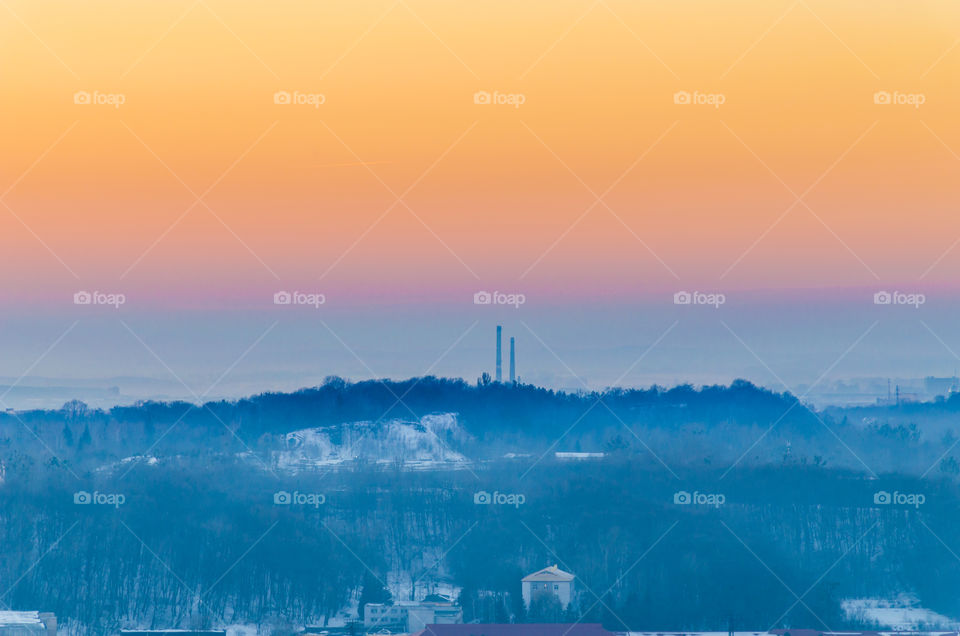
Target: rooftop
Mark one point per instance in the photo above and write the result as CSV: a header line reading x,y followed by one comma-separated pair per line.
x,y
19,618
437,598
516,629
551,574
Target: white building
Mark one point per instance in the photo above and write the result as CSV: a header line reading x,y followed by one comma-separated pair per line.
x,y
551,580
383,616
412,616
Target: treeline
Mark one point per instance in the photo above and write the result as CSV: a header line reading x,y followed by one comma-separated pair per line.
x,y
683,426
486,409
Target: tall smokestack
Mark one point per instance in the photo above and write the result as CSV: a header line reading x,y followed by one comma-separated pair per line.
x,y
513,362
499,360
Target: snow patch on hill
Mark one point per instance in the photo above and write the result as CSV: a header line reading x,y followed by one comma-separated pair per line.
x,y
429,442
900,614
127,462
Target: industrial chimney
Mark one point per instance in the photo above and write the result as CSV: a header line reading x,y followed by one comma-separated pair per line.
x,y
499,359
513,362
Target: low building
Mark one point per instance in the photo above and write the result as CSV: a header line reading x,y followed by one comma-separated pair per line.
x,y
683,633
516,629
412,616
27,624
173,632
378,616
551,580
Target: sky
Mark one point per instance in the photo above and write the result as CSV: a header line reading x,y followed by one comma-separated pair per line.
x,y
395,157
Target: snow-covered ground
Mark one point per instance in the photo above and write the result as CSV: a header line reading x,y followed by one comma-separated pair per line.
x,y
427,443
126,462
242,630
900,614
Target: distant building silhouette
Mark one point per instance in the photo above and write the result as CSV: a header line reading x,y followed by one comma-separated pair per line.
x,y
412,616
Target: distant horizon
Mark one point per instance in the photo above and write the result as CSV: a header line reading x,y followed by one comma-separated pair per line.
x,y
782,345
41,390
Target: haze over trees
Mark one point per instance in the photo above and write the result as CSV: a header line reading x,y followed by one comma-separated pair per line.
x,y
200,540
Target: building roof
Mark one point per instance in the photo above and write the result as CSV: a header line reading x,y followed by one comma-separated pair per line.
x,y
793,632
817,632
19,618
550,574
516,629
680,633
437,598
23,623
173,632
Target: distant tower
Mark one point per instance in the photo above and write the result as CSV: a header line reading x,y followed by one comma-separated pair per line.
x,y
513,362
499,360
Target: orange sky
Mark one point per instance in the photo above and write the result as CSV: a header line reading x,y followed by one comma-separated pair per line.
x,y
497,191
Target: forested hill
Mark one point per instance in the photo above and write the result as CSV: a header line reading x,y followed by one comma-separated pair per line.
x,y
683,425
200,538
